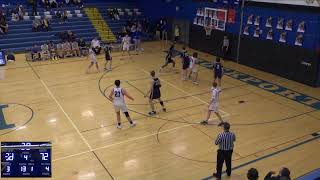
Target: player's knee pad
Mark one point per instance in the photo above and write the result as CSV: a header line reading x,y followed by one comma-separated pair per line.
x,y
161,103
126,114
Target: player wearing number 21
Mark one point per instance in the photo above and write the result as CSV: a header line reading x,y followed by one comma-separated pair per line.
x,y
117,96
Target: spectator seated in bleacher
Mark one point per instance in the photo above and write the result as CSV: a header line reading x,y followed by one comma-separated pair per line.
x,y
67,49
45,53
15,17
46,24
53,3
3,25
83,47
116,14
35,52
20,11
78,3
46,4
36,25
65,16
53,51
59,50
75,48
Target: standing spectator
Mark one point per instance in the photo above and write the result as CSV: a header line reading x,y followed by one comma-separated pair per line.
x,y
34,7
225,141
3,25
252,174
176,34
225,46
95,45
137,40
284,174
158,29
164,29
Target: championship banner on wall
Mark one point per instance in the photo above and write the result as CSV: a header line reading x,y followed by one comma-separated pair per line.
x,y
231,16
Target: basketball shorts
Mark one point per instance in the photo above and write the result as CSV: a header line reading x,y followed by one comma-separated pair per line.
x,y
213,107
108,58
155,96
93,59
185,66
122,107
217,75
195,69
126,47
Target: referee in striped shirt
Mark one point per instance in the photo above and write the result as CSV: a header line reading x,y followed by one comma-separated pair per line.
x,y
225,141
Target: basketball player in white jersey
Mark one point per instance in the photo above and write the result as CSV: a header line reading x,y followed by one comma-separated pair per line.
x,y
126,44
93,59
117,96
194,68
213,106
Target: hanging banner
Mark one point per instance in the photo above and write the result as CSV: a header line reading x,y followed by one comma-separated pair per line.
x,y
231,16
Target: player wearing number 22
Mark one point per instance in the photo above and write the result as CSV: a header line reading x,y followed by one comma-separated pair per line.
x,y
117,96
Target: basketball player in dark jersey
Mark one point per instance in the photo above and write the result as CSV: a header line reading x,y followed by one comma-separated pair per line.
x,y
218,71
108,58
185,63
154,93
169,58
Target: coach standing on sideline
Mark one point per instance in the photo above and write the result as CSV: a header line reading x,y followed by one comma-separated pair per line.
x,y
225,141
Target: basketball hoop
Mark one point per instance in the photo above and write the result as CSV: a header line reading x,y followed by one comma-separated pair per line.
x,y
208,30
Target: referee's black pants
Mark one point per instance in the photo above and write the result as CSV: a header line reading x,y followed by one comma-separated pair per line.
x,y
224,156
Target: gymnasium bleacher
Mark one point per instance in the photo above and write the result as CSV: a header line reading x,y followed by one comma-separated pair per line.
x,y
20,36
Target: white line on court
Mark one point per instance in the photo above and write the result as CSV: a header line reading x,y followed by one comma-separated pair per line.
x,y
189,94
127,141
67,116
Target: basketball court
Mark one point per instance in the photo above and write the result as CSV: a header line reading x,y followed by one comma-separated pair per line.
x,y
56,101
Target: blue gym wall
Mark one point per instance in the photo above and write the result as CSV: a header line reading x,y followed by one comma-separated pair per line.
x,y
156,9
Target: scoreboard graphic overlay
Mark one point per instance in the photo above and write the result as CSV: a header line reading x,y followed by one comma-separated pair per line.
x,y
26,159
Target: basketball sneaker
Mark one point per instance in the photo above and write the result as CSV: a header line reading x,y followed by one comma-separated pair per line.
x,y
132,124
151,113
119,126
205,122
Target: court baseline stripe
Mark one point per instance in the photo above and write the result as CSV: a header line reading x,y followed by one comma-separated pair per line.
x,y
269,155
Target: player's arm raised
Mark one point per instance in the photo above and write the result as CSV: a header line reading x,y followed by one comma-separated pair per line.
x,y
111,95
126,94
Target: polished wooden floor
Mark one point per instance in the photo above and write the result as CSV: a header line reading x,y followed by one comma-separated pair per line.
x,y
67,106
